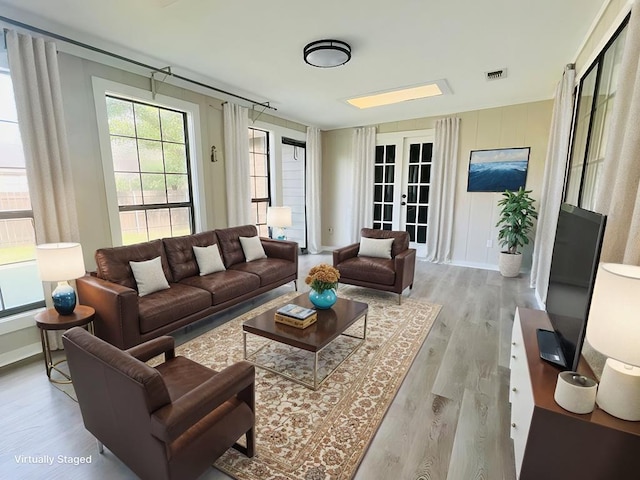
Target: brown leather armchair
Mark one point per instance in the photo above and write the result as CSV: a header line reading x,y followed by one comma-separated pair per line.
x,y
392,275
168,422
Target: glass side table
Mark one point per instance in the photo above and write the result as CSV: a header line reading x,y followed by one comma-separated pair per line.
x,y
50,320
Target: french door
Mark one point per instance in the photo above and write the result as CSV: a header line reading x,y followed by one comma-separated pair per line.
x,y
402,181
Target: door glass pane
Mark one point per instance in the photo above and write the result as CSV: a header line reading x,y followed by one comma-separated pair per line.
x,y
418,181
384,188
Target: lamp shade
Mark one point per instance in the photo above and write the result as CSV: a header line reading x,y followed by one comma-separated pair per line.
x,y
60,261
279,217
613,327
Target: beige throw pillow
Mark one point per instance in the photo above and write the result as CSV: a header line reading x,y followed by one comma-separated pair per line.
x,y
252,248
375,247
149,276
209,259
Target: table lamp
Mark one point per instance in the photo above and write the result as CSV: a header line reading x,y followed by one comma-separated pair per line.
x,y
60,262
280,218
613,329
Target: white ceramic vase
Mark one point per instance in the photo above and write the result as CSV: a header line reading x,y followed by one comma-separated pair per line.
x,y
509,264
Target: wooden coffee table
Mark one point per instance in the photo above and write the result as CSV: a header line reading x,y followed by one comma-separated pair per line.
x,y
330,325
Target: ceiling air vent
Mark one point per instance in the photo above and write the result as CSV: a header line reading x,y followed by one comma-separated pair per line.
x,y
496,74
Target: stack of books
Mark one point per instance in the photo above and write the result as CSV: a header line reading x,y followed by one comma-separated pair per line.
x,y
296,316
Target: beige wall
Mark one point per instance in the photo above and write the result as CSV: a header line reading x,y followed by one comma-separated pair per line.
x,y
80,113
525,125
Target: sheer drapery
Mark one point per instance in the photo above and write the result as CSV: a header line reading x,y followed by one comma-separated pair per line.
x,y
314,189
236,158
443,188
553,182
33,66
364,155
618,193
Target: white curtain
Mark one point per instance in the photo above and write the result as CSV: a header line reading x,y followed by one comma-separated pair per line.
x,y
236,158
33,65
364,155
443,189
618,193
314,189
553,182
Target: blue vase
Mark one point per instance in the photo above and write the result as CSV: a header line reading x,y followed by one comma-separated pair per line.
x,y
324,300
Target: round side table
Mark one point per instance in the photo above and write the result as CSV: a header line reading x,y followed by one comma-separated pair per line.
x,y
52,320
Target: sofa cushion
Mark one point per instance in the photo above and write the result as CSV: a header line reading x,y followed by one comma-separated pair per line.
x,y
149,276
252,248
209,259
225,286
166,306
400,239
375,247
113,263
268,269
368,269
229,242
179,251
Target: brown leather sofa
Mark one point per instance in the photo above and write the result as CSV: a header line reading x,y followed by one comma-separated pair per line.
x,y
125,319
168,422
391,275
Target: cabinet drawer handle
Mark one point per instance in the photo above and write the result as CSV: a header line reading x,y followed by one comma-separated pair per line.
x,y
513,356
513,425
514,389
513,343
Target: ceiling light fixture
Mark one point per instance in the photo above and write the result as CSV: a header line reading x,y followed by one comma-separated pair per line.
x,y
438,87
327,53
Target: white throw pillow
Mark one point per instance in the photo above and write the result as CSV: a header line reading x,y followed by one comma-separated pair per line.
x,y
375,247
252,248
149,276
209,259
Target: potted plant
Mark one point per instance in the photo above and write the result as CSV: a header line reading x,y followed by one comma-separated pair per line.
x,y
515,226
323,281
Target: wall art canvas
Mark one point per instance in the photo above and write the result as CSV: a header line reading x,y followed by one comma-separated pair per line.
x,y
498,170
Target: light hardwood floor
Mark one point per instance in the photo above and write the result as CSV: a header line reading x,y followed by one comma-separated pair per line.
x,y
449,421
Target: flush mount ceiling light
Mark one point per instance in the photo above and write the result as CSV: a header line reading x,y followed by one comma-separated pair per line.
x,y
327,53
432,89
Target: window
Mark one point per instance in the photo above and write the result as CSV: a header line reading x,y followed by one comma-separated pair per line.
x,y
594,105
20,285
259,172
150,153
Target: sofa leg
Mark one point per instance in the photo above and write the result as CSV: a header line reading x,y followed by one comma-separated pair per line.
x,y
295,285
400,299
100,446
251,442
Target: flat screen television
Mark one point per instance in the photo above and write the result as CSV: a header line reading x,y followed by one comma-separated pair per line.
x,y
574,263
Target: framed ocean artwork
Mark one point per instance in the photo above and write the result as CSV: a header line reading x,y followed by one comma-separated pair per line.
x,y
498,170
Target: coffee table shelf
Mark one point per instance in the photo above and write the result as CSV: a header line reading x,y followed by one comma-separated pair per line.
x,y
331,324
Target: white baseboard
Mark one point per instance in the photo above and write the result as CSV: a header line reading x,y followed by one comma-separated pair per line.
x,y
21,353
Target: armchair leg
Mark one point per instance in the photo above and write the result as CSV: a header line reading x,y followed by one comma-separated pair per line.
x,y
400,299
251,442
100,446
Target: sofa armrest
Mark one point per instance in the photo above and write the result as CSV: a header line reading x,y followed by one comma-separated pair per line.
x,y
116,306
405,265
283,249
172,420
152,348
343,253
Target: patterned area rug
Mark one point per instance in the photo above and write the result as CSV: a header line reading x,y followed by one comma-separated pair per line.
x,y
302,434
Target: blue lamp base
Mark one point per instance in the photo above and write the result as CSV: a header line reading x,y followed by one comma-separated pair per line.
x,y
64,298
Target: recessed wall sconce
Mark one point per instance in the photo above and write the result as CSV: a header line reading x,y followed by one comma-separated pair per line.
x,y
327,53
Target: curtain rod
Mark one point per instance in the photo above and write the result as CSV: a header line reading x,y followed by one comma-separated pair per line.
x,y
130,60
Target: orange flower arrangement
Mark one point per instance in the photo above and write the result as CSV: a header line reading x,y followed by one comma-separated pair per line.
x,y
323,277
